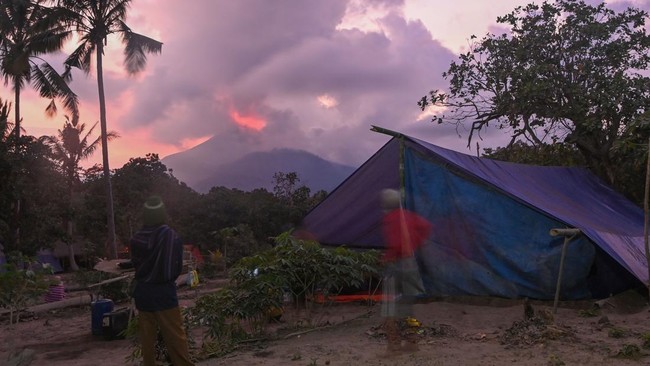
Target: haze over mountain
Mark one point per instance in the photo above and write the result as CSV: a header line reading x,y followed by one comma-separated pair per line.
x,y
211,165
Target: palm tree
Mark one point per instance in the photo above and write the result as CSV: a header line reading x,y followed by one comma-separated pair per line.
x,y
28,30
5,125
69,148
94,21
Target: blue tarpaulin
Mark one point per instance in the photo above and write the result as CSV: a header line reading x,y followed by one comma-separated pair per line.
x,y
46,256
491,223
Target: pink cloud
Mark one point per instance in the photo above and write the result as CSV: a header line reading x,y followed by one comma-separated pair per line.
x,y
220,57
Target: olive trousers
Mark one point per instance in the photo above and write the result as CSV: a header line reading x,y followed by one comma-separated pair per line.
x,y
170,323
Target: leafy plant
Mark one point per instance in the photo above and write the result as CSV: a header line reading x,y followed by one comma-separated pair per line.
x,y
214,266
615,332
18,287
258,284
629,351
304,268
554,360
588,313
115,291
645,337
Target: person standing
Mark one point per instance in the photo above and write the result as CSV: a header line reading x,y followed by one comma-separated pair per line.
x,y
157,256
403,232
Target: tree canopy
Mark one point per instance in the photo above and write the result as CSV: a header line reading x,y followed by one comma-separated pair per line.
x,y
29,30
565,72
45,189
94,21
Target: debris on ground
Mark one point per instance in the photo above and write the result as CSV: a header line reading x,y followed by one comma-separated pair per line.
x,y
410,326
536,329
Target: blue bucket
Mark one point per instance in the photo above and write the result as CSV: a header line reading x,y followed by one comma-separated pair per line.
x,y
99,308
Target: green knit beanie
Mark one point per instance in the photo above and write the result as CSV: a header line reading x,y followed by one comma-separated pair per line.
x,y
153,213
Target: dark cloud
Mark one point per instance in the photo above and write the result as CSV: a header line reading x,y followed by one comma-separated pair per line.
x,y
273,60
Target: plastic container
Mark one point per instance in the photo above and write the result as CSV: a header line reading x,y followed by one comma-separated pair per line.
x,y
98,309
114,323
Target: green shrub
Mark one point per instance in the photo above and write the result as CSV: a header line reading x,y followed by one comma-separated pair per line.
x,y
19,287
304,268
630,351
615,332
116,291
589,313
259,283
645,337
555,360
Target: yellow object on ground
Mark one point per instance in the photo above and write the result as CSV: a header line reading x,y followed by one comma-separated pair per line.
x,y
412,322
193,278
275,313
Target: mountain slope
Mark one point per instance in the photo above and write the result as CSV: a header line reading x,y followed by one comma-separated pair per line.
x,y
256,170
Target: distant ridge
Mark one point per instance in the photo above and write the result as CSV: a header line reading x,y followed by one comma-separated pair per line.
x,y
256,170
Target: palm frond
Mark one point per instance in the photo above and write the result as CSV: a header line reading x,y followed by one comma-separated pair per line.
x,y
51,85
5,125
48,42
117,13
90,149
81,57
42,83
63,91
111,135
51,109
137,46
29,29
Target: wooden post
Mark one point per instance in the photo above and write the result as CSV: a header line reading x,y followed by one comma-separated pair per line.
x,y
568,235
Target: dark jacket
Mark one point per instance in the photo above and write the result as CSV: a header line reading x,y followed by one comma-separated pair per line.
x,y
157,255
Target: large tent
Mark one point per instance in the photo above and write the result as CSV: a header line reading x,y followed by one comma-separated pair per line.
x,y
492,223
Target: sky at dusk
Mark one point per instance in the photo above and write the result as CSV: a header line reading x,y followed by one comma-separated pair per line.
x,y
259,74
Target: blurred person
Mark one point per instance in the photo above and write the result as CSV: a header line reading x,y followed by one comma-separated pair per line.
x,y
157,255
404,232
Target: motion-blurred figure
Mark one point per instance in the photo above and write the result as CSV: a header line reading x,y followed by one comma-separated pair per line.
x,y
404,232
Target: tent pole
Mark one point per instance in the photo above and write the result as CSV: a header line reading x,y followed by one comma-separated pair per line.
x,y
401,138
386,131
568,234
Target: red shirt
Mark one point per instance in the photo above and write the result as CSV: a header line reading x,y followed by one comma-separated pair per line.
x,y
404,231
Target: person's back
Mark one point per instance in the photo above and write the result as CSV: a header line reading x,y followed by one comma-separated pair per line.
x,y
404,232
157,255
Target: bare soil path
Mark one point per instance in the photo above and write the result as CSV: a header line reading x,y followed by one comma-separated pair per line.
x,y
471,331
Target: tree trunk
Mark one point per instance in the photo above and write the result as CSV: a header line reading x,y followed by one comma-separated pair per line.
x,y
70,225
107,172
17,133
646,208
17,109
73,263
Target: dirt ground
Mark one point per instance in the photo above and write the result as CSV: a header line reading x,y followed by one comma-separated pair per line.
x,y
459,331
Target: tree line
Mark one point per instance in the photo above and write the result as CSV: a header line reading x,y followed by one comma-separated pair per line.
x,y
566,80
62,202
46,194
30,29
